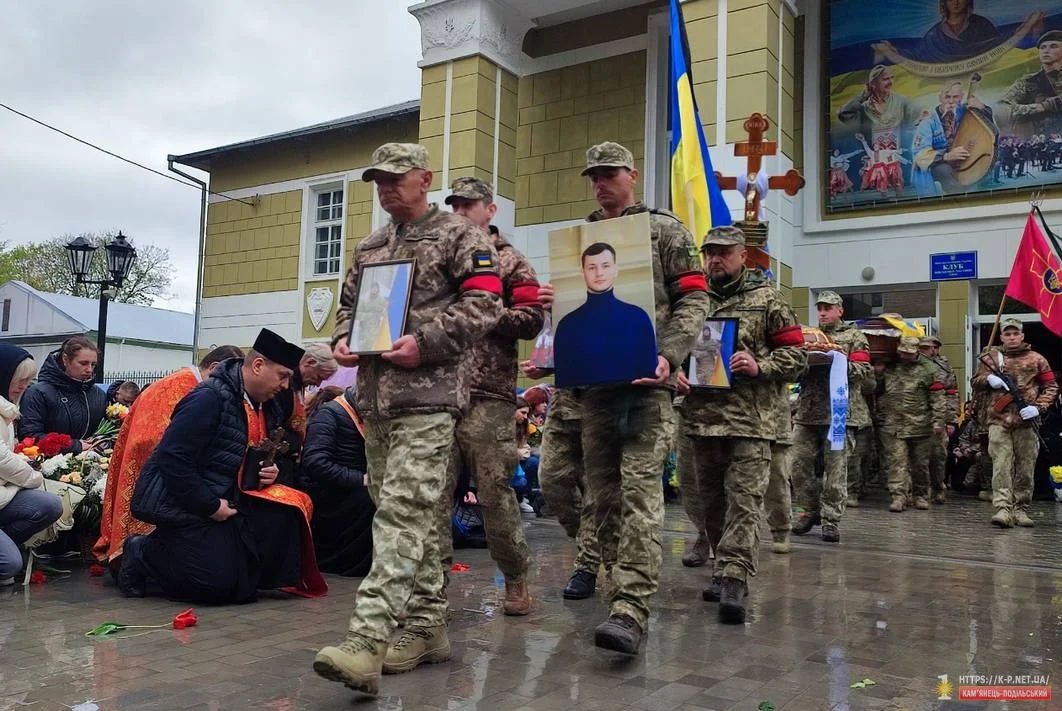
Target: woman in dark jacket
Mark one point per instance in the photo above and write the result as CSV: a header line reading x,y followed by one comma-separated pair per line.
x,y
333,463
65,399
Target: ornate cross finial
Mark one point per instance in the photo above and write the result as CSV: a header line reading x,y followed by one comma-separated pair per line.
x,y
273,446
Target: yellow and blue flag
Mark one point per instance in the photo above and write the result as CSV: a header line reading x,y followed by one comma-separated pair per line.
x,y
695,194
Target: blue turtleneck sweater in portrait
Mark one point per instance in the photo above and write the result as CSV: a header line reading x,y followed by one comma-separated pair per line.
x,y
604,341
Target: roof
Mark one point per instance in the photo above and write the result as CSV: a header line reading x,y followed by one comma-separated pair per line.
x,y
199,159
124,321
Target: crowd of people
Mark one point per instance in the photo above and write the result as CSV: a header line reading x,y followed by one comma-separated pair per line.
x,y
230,477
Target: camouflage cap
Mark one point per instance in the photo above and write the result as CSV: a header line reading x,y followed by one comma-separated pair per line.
x,y
470,189
398,158
908,344
929,341
1011,323
608,155
829,297
1049,36
724,236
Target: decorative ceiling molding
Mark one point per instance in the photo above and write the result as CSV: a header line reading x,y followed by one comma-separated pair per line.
x,y
453,29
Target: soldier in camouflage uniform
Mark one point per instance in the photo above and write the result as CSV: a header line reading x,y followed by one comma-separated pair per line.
x,y
973,445
1012,438
485,436
626,428
929,347
699,551
915,411
1033,103
778,499
732,429
864,446
824,502
410,398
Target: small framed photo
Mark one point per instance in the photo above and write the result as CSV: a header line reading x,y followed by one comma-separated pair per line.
x,y
709,362
381,307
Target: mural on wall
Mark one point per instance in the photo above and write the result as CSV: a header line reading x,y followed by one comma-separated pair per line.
x,y
932,99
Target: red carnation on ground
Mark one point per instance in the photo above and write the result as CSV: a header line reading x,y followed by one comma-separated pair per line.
x,y
96,570
38,578
185,619
53,443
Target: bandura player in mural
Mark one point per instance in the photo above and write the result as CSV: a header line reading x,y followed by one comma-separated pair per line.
x,y
938,155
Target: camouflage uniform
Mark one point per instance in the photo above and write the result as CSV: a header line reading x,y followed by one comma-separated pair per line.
x,y
626,428
864,445
813,417
1033,103
939,454
777,500
486,435
1012,441
410,412
973,444
913,399
732,430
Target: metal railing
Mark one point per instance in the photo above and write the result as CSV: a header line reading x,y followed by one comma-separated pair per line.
x,y
142,378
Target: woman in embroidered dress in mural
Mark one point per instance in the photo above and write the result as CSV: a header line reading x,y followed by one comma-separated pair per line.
x,y
878,112
884,172
839,165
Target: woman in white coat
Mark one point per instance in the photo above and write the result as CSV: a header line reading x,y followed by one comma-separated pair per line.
x,y
25,507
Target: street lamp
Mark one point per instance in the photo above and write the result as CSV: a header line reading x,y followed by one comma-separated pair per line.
x,y
120,258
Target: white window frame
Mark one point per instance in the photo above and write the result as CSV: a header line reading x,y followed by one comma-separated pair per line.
x,y
331,223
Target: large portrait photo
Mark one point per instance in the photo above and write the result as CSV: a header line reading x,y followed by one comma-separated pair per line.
x,y
381,307
940,99
602,274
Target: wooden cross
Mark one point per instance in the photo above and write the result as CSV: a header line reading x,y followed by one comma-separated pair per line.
x,y
273,446
754,149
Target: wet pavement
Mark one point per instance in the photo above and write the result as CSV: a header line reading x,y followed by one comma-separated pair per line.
x,y
903,599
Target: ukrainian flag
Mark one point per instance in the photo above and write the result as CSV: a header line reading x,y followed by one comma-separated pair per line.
x,y
695,194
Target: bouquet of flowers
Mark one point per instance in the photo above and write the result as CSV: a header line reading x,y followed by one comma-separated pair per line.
x,y
534,435
112,421
87,471
42,448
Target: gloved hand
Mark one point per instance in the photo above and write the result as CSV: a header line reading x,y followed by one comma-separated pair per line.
x,y
996,382
1029,412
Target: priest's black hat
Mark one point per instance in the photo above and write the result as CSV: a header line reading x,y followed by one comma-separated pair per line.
x,y
277,349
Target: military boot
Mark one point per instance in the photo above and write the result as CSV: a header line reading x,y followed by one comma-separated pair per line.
x,y
699,553
416,646
1021,518
714,589
898,504
1002,519
921,503
780,544
985,495
732,594
805,523
852,502
356,663
619,633
517,598
581,585
830,533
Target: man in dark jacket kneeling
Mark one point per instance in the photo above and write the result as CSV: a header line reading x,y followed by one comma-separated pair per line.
x,y
223,528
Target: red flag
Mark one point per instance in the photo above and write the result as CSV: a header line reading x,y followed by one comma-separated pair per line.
x,y
1034,278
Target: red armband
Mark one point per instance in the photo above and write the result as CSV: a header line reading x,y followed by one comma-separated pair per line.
x,y
483,282
787,336
936,386
859,357
1046,377
951,391
525,293
691,281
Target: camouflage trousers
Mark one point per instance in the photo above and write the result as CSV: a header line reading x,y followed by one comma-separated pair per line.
x,y
859,459
1013,452
485,442
626,440
828,497
778,499
908,461
938,461
560,474
408,464
734,473
980,472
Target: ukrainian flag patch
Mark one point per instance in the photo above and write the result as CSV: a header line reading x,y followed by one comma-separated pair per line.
x,y
482,260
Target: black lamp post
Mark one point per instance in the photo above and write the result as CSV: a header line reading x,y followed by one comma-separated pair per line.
x,y
120,258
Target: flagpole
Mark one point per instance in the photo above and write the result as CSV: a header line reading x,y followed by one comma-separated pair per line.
x,y
995,326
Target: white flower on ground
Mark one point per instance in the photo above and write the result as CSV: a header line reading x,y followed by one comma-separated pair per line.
x,y
50,467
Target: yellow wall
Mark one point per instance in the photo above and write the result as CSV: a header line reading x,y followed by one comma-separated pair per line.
x,y
315,155
564,112
953,307
250,250
702,31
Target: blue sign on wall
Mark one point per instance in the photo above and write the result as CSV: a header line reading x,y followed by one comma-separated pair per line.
x,y
953,265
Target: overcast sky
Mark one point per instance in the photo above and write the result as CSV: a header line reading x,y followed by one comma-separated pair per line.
x,y
146,79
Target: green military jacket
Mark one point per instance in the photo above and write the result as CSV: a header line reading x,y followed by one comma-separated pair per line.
x,y
455,300
679,288
951,387
783,416
768,330
912,398
1031,374
814,405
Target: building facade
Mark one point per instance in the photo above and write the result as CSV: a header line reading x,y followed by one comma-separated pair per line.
x,y
515,92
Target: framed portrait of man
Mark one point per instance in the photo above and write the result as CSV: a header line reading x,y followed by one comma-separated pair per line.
x,y
381,306
709,361
603,310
